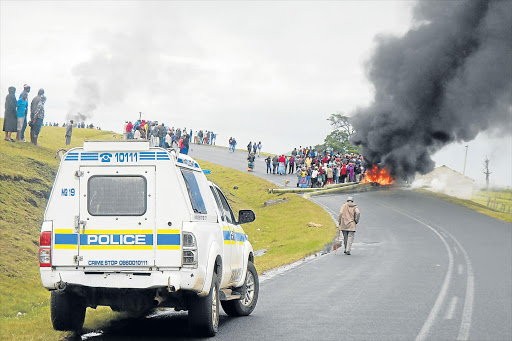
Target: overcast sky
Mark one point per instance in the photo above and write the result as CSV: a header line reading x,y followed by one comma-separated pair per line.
x,y
266,71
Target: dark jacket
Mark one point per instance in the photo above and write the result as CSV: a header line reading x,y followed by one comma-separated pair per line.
x,y
186,142
69,129
10,116
35,102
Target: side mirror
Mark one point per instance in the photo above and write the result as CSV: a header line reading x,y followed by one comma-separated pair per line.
x,y
246,216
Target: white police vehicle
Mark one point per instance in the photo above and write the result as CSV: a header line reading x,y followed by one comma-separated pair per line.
x,y
135,227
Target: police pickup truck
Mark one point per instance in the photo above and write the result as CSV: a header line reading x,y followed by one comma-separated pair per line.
x,y
136,227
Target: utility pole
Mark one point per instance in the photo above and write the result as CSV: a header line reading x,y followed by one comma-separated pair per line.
x,y
465,158
486,171
140,115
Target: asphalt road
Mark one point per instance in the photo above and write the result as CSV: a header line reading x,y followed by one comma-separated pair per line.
x,y
238,160
420,268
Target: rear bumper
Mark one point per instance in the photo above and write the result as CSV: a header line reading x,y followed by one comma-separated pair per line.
x,y
179,278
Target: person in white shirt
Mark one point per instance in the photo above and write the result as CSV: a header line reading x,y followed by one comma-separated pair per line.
x,y
137,133
168,140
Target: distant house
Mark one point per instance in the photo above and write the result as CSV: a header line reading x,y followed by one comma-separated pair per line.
x,y
445,180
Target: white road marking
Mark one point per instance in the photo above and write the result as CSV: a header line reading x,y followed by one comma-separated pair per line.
x,y
451,308
333,214
456,250
467,312
461,269
269,274
436,309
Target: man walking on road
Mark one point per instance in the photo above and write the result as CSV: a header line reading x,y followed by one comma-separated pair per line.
x,y
347,220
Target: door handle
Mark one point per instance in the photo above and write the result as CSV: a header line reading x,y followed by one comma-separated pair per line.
x,y
79,223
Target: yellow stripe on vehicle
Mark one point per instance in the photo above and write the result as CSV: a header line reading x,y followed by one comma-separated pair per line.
x,y
168,247
116,247
66,247
168,231
117,231
63,231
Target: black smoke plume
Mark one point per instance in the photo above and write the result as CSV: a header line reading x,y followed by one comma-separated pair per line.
x,y
446,80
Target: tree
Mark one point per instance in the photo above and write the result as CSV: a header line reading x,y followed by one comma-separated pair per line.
x,y
339,139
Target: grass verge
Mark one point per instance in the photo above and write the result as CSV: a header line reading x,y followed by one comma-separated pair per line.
x,y
475,206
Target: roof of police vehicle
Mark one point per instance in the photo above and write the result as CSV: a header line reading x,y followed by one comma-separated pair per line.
x,y
136,146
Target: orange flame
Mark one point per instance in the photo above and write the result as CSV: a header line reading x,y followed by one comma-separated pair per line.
x,y
378,175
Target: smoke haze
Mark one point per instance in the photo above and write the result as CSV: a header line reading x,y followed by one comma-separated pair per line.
x,y
446,80
125,67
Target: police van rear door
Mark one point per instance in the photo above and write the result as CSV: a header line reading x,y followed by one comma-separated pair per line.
x,y
117,217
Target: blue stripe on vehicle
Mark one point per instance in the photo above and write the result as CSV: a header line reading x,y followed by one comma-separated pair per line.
x,y
71,157
168,239
66,238
189,163
146,156
240,237
89,156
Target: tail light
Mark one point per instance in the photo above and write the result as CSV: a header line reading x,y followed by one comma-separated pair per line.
x,y
189,249
45,243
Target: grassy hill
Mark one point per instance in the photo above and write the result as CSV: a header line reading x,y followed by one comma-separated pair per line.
x,y
26,176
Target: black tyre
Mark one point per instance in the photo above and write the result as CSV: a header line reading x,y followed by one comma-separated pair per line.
x,y
247,303
203,312
67,311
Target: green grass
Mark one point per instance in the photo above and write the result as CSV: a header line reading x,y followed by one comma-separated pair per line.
x,y
476,204
281,229
26,176
499,200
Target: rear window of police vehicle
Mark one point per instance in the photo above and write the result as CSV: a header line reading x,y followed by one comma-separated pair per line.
x,y
194,193
117,195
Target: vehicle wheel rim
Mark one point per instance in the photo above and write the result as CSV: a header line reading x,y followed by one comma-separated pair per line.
x,y
214,307
249,289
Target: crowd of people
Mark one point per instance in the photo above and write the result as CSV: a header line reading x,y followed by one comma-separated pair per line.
x,y
314,169
82,125
254,147
164,136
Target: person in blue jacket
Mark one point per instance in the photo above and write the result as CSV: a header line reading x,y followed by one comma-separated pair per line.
x,y
26,90
21,109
